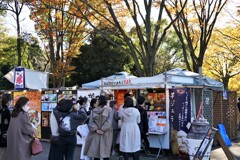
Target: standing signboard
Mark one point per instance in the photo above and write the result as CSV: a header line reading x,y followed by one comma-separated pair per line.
x,y
34,105
206,142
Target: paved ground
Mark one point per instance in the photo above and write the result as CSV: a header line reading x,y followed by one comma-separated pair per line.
x,y
216,154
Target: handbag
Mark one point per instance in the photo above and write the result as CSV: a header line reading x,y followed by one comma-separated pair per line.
x,y
54,139
36,146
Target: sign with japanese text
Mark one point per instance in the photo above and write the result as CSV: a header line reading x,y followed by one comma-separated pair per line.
x,y
180,108
157,121
19,79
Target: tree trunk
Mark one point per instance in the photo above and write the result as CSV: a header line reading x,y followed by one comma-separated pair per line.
x,y
225,81
18,35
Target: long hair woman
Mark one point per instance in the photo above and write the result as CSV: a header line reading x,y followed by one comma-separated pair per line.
x,y
20,132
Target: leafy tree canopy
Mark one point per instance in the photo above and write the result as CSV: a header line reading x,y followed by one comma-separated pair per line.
x,y
98,59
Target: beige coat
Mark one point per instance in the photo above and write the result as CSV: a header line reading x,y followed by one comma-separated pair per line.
x,y
19,138
99,146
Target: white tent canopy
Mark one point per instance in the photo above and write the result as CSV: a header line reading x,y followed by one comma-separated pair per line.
x,y
169,79
97,83
33,79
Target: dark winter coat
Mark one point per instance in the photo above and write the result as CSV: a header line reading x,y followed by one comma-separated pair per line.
x,y
71,120
144,120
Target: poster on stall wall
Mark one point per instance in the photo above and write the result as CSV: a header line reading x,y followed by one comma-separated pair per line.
x,y
156,121
120,97
49,100
89,94
67,94
19,78
180,109
34,105
46,119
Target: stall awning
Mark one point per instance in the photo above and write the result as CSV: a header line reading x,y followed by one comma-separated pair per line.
x,y
97,83
172,78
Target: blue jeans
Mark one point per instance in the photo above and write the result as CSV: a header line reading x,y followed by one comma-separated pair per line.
x,y
68,144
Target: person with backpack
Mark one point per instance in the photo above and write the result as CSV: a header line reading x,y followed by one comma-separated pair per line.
x,y
56,151
68,121
5,116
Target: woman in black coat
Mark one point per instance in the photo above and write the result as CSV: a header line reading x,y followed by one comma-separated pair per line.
x,y
5,115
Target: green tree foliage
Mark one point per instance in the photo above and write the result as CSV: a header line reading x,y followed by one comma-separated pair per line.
x,y
8,56
14,7
4,83
194,28
115,13
33,56
99,59
169,55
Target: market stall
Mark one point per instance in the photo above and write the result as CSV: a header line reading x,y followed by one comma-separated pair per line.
x,y
169,97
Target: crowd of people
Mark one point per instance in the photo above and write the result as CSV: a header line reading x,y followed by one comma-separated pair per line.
x,y
108,130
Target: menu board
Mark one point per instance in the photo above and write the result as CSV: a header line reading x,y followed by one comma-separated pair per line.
x,y
67,94
156,121
34,105
49,100
155,100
